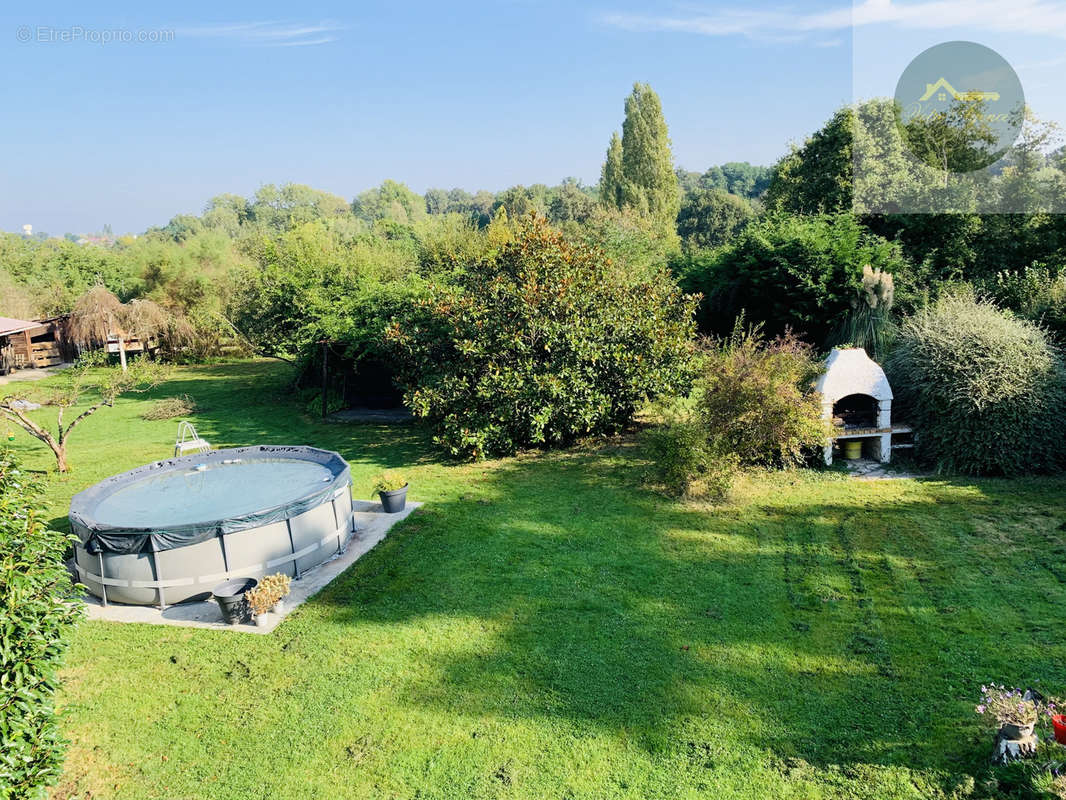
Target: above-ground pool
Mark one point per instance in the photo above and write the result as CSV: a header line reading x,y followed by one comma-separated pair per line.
x,y
170,531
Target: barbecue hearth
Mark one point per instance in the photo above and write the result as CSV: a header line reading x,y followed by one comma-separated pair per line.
x,y
857,400
855,411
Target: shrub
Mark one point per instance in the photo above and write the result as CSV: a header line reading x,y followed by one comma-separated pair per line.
x,y
38,607
539,345
171,408
756,398
687,463
753,405
798,273
984,389
1037,293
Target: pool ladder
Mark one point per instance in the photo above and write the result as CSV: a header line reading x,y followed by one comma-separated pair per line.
x,y
189,441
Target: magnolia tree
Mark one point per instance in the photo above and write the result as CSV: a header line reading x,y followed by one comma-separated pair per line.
x,y
87,387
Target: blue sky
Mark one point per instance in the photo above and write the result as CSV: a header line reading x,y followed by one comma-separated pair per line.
x,y
343,95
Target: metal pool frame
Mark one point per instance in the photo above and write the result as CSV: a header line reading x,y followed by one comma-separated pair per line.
x,y
165,566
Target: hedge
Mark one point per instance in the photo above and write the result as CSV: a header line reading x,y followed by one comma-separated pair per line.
x,y
38,607
985,390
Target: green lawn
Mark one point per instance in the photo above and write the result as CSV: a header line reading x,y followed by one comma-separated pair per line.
x,y
546,628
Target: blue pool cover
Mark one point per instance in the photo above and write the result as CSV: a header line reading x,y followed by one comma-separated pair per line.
x,y
190,499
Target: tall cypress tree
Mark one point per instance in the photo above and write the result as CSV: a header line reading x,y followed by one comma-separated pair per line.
x,y
644,180
611,178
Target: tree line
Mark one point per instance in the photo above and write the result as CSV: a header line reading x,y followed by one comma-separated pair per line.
x,y
809,245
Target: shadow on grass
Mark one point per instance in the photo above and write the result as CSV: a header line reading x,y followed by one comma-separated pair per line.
x,y
835,631
826,623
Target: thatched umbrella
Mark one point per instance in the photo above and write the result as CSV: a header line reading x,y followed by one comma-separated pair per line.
x,y
98,314
146,320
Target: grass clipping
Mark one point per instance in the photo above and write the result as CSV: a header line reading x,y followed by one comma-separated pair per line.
x,y
171,408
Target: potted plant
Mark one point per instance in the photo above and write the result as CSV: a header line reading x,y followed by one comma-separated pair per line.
x,y
278,583
1016,712
392,489
232,598
268,597
260,601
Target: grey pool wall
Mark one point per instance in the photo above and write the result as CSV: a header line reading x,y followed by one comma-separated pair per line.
x,y
167,566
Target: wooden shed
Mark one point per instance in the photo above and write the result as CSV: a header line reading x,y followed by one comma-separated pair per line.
x,y
29,343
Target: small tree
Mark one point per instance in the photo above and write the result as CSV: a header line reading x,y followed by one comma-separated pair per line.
x,y
711,217
541,344
86,379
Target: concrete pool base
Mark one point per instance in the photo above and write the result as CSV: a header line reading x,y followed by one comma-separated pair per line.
x,y
372,525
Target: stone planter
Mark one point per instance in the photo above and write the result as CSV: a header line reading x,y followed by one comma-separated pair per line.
x,y
1013,732
1014,742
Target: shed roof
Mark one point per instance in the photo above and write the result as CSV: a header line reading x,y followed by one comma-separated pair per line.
x,y
9,325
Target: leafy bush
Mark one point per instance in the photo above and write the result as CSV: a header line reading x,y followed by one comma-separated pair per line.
x,y
38,607
687,462
539,345
799,273
756,398
753,405
984,389
1037,293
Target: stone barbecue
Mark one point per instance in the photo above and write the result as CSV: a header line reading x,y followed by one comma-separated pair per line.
x,y
857,400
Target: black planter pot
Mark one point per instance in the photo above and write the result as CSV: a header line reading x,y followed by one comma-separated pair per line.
x,y
231,600
395,501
